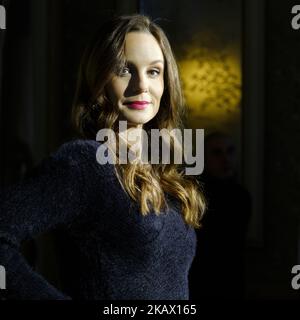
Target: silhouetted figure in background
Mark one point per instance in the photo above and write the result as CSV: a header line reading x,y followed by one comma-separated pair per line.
x,y
218,267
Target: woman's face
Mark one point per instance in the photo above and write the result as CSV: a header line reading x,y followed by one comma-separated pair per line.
x,y
137,89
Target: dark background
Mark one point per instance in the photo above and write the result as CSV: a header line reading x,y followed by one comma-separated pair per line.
x,y
39,55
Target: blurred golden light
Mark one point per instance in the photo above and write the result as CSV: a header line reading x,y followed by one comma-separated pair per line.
x,y
211,82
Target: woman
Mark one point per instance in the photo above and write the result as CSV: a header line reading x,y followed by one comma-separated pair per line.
x,y
132,224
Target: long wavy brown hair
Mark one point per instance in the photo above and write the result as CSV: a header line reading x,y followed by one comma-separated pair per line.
x,y
147,184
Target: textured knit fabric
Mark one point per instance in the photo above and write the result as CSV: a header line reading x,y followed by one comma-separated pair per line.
x,y
121,254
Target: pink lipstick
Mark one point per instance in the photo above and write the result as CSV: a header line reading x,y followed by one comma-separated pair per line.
x,y
138,105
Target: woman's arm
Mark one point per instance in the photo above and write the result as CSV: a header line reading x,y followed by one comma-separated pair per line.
x,y
51,196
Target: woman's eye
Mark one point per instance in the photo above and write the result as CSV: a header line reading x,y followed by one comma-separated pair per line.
x,y
124,71
154,72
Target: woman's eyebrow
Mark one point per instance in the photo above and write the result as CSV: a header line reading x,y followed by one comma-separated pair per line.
x,y
156,61
128,62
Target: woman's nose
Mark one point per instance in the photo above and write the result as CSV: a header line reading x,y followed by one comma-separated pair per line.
x,y
140,82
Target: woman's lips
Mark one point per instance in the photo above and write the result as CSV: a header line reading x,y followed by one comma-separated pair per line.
x,y
139,105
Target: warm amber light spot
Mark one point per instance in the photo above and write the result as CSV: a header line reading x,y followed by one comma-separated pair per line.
x,y
212,87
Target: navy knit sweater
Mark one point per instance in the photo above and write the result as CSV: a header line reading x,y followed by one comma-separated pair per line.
x,y
121,254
